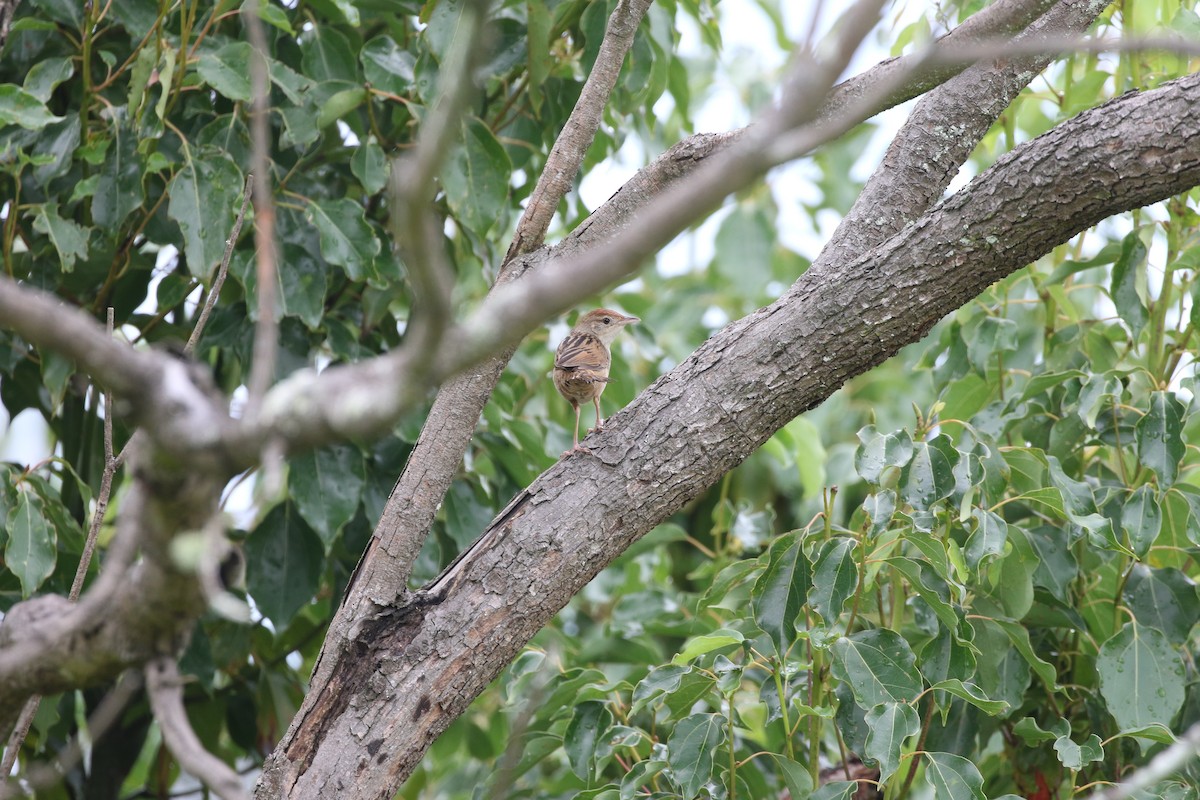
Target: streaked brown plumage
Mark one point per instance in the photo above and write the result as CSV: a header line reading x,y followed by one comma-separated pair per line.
x,y
582,360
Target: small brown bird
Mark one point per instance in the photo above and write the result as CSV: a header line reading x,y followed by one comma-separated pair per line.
x,y
582,360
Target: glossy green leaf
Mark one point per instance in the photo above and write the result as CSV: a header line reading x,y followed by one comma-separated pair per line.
x,y
204,200
1141,519
19,107
1077,756
387,66
1019,636
836,790
589,722
346,238
1160,437
119,189
31,550
1164,599
1124,283
228,70
796,778
890,724
706,643
70,240
327,485
834,577
879,665
476,177
284,559
971,694
640,774
45,75
876,452
691,748
929,476
1141,677
782,590
953,777
880,507
988,538
339,104
1031,733
370,166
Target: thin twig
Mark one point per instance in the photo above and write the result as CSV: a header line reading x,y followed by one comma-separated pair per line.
x,y
416,228
566,157
107,712
164,685
25,720
266,330
213,293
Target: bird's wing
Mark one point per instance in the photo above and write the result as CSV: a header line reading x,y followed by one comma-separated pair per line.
x,y
582,351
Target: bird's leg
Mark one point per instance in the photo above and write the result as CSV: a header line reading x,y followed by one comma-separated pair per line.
x,y
577,447
599,419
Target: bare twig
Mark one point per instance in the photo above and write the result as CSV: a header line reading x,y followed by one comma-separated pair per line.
x,y
266,330
562,165
164,685
101,720
416,228
214,292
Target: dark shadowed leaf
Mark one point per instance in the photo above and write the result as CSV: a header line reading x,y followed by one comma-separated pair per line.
x,y
834,577
1159,437
284,559
327,485
782,590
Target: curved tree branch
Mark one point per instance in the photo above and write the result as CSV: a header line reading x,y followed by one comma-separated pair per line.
x,y
416,666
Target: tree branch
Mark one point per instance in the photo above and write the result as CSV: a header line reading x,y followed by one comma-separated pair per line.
x,y
424,662
164,686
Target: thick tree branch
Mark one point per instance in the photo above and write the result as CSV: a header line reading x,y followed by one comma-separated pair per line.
x,y
417,666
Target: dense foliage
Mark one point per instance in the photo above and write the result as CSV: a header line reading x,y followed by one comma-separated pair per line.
x,y
973,567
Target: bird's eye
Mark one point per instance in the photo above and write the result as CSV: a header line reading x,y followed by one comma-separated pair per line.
x,y
607,320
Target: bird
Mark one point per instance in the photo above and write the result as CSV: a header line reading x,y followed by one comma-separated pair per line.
x,y
582,360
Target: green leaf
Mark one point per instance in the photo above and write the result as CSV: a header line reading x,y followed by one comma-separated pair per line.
x,y
476,176
993,336
639,775
781,591
387,66
834,577
878,665
204,198
119,190
744,243
45,75
540,48
929,476
953,777
1019,636
1124,283
327,56
690,751
269,13
1141,519
796,777
876,452
70,240
989,537
19,107
32,548
1077,756
836,790
1160,437
1032,734
284,560
880,507
1164,599
706,643
339,104
890,724
228,70
1141,677
589,722
370,166
971,694
327,485
346,238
